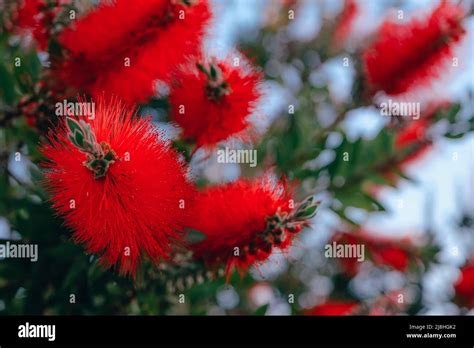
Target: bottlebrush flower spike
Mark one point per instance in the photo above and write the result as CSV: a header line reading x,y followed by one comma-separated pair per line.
x,y
245,220
212,101
123,47
409,55
120,188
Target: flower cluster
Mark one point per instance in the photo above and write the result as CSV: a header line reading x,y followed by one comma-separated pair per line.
x,y
119,186
125,48
245,220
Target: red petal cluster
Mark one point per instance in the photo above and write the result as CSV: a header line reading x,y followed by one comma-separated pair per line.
x,y
408,55
465,286
123,47
136,209
208,121
34,17
232,216
382,251
334,308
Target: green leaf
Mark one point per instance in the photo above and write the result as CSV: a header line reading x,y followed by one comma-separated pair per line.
x,y
74,126
194,236
306,203
79,138
87,146
261,310
213,72
451,114
109,156
72,140
343,216
375,202
307,209
454,136
202,68
358,199
403,175
7,85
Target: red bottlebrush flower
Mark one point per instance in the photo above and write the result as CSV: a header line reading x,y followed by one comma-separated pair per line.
x,y
422,46
382,251
35,17
464,286
244,221
392,256
212,102
345,22
120,188
334,308
414,132
124,47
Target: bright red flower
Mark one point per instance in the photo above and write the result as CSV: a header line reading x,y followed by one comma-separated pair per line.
x,y
124,47
408,55
120,188
464,286
392,256
239,222
345,22
334,308
213,101
414,132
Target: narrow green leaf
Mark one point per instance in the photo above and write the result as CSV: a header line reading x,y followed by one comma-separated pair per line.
x,y
74,126
213,72
261,310
194,236
79,137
